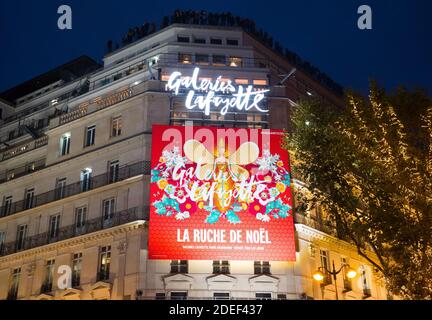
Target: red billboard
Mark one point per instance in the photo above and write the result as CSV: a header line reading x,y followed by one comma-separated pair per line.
x,y
220,194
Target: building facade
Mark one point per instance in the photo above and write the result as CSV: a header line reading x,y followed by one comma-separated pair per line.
x,y
75,174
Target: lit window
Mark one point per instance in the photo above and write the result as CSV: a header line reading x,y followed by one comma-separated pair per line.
x,y
65,141
76,269
116,126
258,82
49,276
261,267
86,176
185,58
104,263
242,81
235,61
90,136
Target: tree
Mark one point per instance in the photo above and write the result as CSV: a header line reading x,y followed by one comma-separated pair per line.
x,y
370,166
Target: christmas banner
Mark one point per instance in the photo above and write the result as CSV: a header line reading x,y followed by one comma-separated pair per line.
x,y
220,194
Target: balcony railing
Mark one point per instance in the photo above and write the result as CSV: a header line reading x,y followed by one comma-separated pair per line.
x,y
22,170
125,172
71,231
23,148
324,226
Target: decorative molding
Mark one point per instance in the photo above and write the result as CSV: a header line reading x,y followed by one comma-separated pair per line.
x,y
221,282
98,235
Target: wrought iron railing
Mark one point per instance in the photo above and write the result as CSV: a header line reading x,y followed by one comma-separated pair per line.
x,y
125,172
22,170
71,231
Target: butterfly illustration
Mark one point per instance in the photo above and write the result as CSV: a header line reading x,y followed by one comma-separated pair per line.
x,y
196,152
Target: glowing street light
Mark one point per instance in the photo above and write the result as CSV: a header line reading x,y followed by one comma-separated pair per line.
x,y
319,275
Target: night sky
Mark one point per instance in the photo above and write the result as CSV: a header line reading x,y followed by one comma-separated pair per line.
x,y
397,51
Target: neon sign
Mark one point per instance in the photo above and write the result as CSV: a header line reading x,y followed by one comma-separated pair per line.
x,y
205,93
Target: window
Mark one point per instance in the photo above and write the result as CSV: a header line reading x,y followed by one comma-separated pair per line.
x,y
185,58
86,175
54,226
76,269
242,81
160,296
116,126
183,39
216,41
202,59
179,266
219,60
60,191
7,205
235,61
2,241
325,265
263,295
179,295
65,141
232,42
108,209
21,237
49,276
281,296
80,220
221,296
90,136
29,198
113,171
200,40
364,279
262,267
14,284
346,280
104,263
221,267
258,82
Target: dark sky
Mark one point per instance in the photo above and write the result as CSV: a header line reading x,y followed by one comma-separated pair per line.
x,y
397,51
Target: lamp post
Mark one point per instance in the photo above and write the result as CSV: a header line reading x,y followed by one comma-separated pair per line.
x,y
319,275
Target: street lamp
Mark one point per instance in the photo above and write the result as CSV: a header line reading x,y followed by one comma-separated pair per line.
x,y
349,272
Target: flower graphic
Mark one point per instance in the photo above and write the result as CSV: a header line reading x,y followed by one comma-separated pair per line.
x,y
278,209
166,206
179,194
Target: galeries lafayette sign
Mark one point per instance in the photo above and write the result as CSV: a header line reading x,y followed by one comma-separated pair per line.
x,y
206,94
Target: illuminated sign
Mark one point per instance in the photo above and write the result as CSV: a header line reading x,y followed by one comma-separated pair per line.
x,y
218,93
220,194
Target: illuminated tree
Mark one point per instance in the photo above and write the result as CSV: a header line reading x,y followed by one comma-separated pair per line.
x,y
370,166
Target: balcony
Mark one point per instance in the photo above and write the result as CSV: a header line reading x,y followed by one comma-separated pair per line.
x,y
23,148
70,231
124,172
22,171
318,224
